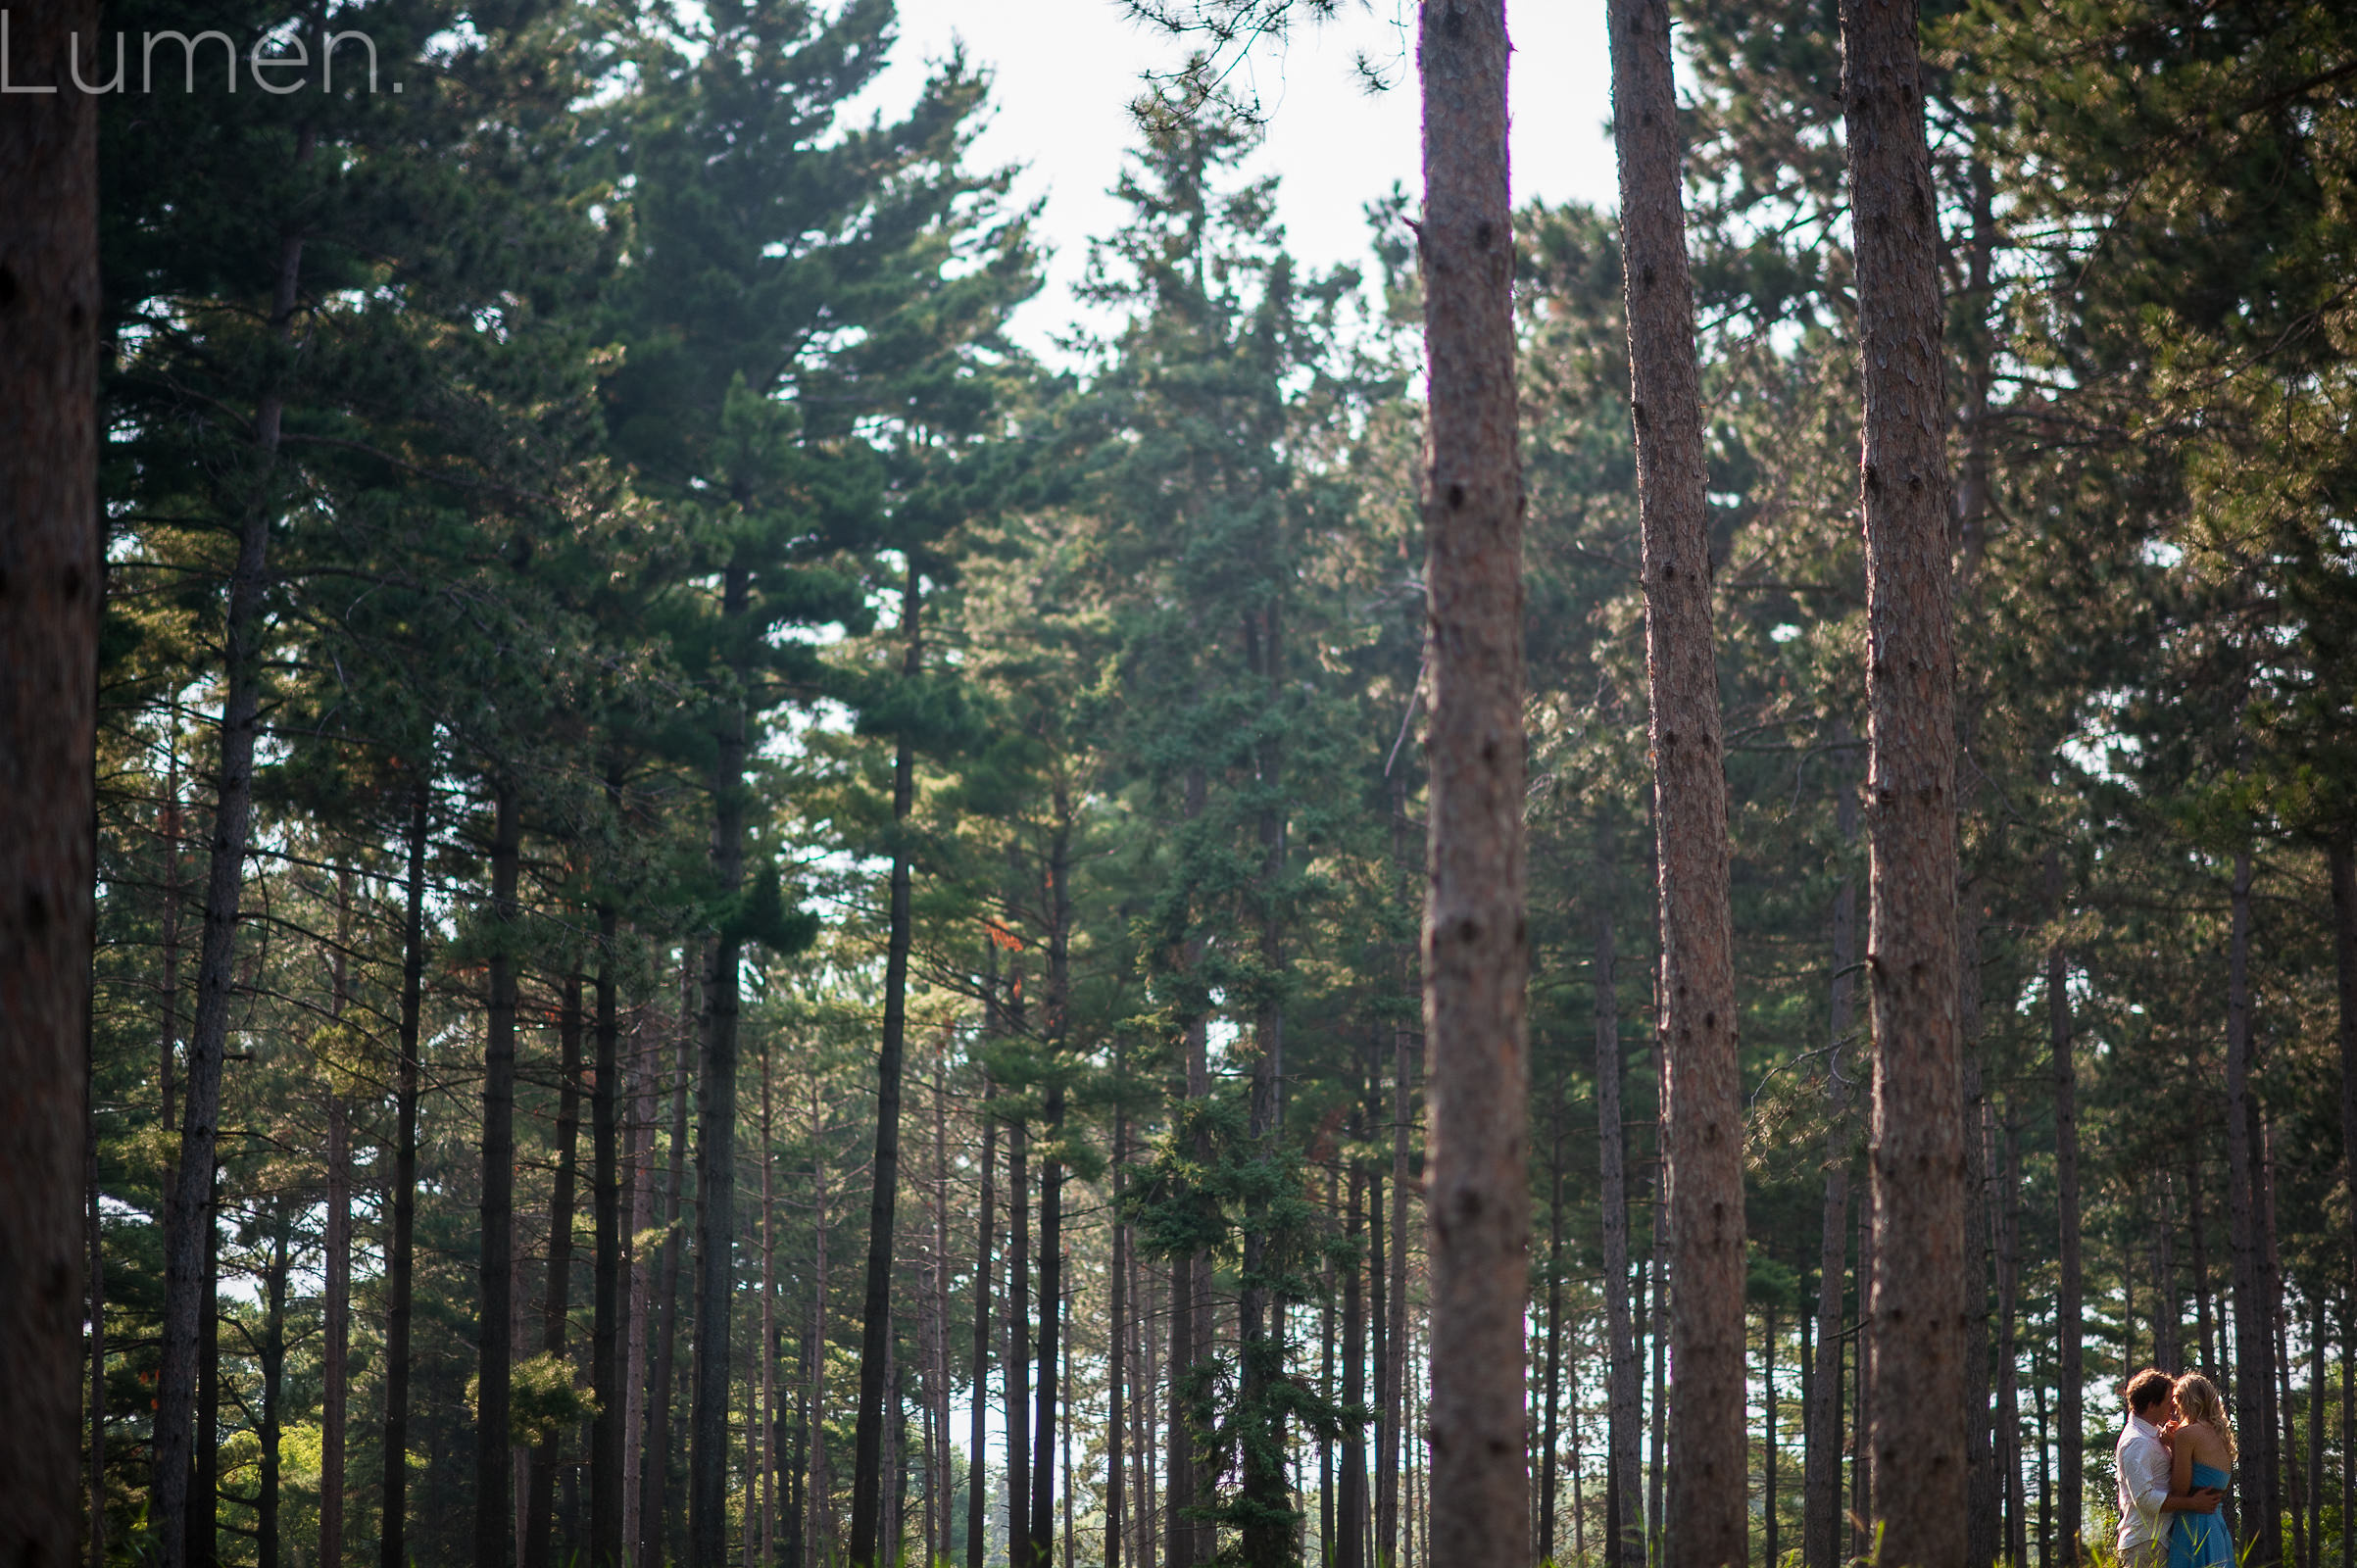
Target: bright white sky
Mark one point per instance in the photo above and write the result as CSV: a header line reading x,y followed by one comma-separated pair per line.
x,y
1067,70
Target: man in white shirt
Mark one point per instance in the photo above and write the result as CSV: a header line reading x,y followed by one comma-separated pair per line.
x,y
2141,1463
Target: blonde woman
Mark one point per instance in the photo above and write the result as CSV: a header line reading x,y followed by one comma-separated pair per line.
x,y
2201,1456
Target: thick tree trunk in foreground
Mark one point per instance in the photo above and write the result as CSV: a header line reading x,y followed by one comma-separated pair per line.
x,y
875,1320
1821,1464
400,1245
50,585
2258,1506
1707,1468
2069,1335
495,1353
1624,1372
1476,940
1919,1296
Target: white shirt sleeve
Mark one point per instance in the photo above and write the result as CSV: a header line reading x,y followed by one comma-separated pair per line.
x,y
2151,1461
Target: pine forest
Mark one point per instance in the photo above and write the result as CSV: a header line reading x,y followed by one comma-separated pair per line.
x,y
1646,885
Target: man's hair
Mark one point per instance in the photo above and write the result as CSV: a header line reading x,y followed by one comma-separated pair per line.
x,y
2148,1389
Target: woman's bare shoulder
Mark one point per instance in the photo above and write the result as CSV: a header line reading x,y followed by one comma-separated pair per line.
x,y
2209,1445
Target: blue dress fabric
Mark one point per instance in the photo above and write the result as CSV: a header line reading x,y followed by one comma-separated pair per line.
x,y
2199,1540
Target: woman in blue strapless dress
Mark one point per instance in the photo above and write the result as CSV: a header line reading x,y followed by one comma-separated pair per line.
x,y
2201,1455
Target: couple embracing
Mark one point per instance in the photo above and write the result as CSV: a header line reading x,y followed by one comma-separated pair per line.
x,y
2174,1460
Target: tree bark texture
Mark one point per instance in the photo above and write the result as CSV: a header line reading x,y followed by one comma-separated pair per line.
x,y
1919,1300
1476,940
50,587
1708,1466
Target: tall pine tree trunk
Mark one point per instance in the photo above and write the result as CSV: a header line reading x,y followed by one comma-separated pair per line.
x,y
1707,1492
820,1512
639,1139
2340,859
1552,1396
336,1265
1116,1341
2009,1401
654,1459
611,1326
1190,1538
401,1239
1770,1557
1657,1477
875,1318
1918,1299
209,1031
766,1447
1984,1486
1624,1372
50,588
2258,1474
1267,1529
1179,1462
1017,1360
1821,1478
1861,1465
168,997
540,1516
716,1112
201,1537
494,1470
1476,938
1983,1498
2069,1334
1351,1519
977,1503
1390,1363
1052,1186
270,1356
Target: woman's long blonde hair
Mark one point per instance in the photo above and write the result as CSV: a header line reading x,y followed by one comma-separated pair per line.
x,y
2197,1401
